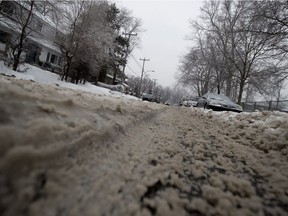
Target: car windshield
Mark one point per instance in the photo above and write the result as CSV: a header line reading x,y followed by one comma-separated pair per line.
x,y
219,97
194,99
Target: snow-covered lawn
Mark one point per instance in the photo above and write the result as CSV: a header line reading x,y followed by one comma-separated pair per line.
x,y
30,72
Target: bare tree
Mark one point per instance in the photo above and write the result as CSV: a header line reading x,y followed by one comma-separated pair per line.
x,y
18,16
236,52
218,22
92,35
83,38
274,15
214,60
194,72
174,95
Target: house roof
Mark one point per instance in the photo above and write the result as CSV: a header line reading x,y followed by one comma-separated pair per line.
x,y
45,43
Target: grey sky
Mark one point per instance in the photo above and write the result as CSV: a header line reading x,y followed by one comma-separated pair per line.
x,y
166,24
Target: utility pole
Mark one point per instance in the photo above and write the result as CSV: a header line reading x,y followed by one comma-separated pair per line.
x,y
154,88
126,54
144,60
154,82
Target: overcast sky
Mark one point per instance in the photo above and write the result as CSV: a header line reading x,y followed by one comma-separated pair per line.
x,y
166,25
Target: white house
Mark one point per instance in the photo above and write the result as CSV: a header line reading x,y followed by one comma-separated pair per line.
x,y
39,47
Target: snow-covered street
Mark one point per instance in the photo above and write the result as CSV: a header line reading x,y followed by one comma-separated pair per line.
x,y
143,108
73,152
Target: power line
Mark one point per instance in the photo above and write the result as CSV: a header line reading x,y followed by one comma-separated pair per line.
x,y
133,71
133,57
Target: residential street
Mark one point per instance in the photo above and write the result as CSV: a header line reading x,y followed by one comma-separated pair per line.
x,y
65,152
143,108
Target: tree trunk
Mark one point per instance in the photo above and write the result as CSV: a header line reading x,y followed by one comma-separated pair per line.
x,y
114,78
16,60
218,89
77,77
229,84
23,35
241,89
69,62
64,71
199,90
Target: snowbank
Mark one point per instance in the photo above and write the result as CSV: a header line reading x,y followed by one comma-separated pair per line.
x,y
273,126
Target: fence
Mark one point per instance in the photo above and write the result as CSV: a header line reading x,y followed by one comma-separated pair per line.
x,y
265,105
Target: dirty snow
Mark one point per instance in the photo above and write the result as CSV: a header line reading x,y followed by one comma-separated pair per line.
x,y
89,151
32,73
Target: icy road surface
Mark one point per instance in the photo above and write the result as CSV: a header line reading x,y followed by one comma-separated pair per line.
x,y
65,152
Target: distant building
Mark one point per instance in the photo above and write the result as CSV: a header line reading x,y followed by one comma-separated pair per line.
x,y
39,47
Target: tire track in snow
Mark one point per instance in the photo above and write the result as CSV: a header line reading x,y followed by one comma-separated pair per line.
x,y
47,134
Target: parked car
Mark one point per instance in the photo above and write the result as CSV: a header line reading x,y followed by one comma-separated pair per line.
x,y
148,97
218,102
192,102
167,103
184,103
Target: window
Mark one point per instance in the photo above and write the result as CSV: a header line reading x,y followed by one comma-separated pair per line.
x,y
59,61
4,37
48,57
7,7
53,59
